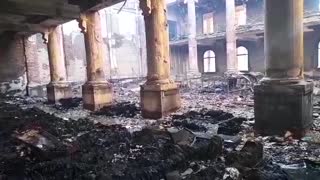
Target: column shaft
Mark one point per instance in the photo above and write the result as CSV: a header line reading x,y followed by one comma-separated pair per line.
x,y
56,55
58,88
159,95
284,39
94,48
192,41
231,39
157,41
283,100
96,92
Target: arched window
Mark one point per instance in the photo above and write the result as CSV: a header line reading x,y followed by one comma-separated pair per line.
x,y
243,60
319,55
209,61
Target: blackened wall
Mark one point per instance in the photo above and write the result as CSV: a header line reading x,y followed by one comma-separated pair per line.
x,y
311,41
12,63
11,57
219,48
178,59
219,19
255,54
33,65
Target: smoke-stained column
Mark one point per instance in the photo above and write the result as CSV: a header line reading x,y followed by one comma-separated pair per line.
x,y
192,41
96,92
283,100
159,95
58,88
231,36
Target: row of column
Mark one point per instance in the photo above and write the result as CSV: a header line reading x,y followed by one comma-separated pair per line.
x,y
159,95
283,99
97,92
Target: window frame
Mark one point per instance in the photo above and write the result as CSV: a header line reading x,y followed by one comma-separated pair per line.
x,y
243,53
209,56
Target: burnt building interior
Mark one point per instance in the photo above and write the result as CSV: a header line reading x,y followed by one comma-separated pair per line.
x,y
159,89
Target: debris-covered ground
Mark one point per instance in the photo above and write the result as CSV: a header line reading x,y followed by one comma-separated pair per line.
x,y
211,137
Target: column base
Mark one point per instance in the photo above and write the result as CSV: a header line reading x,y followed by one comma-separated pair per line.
x,y
279,108
96,95
159,100
58,91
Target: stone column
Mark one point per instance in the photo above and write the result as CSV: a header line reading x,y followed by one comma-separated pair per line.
x,y
96,92
159,95
58,88
231,39
192,41
283,99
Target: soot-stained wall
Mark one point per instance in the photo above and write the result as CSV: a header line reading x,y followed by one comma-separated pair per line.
x,y
12,63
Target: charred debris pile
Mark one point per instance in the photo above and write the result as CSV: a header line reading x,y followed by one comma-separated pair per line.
x,y
38,145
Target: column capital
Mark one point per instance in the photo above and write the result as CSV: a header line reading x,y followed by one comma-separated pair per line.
x,y
45,37
146,7
83,23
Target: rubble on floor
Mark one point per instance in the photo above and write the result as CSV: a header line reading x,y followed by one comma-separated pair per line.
x,y
211,137
124,109
37,145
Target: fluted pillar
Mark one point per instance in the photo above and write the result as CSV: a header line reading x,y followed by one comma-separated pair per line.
x,y
58,88
283,99
159,95
96,92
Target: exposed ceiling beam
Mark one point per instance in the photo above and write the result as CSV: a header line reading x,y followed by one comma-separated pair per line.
x,y
22,27
39,7
93,5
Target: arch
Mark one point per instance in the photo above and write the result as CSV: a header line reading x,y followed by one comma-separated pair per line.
x,y
318,55
243,58
209,61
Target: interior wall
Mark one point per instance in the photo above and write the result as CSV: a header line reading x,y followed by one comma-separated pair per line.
x,y
311,40
255,54
178,59
220,54
12,64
